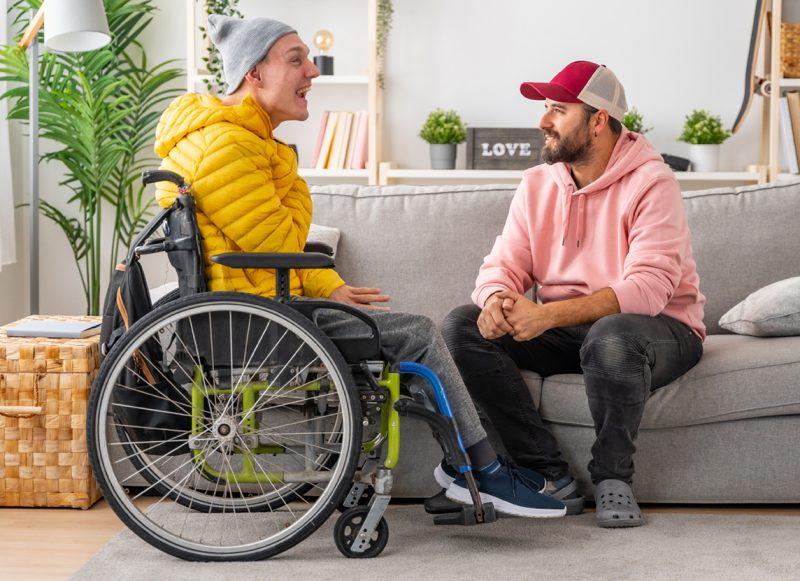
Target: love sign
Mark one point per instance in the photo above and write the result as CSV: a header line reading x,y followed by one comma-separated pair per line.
x,y
503,147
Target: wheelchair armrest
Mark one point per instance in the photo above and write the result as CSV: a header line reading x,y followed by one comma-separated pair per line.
x,y
295,260
320,247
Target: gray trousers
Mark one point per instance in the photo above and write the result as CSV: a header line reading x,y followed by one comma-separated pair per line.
x,y
415,338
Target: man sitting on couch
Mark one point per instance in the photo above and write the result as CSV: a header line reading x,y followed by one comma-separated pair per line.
x,y
250,198
600,229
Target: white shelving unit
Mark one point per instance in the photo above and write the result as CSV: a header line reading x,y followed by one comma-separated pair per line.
x,y
310,172
389,174
195,76
383,172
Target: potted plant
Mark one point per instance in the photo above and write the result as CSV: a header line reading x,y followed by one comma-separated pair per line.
x,y
443,130
99,112
634,121
704,134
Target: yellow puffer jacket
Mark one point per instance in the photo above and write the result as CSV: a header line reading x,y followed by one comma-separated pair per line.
x,y
246,188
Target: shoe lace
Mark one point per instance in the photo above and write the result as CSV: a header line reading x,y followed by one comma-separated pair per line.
x,y
517,474
517,477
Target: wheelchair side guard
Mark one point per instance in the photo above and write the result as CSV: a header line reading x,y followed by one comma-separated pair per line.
x,y
444,425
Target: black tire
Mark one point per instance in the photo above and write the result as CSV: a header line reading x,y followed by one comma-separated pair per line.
x,y
346,531
172,295
167,541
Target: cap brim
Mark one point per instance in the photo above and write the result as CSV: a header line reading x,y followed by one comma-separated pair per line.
x,y
542,91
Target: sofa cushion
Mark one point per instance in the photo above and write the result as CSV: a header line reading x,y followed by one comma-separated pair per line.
x,y
422,246
742,239
737,377
772,311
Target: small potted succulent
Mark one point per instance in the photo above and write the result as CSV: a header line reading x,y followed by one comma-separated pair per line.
x,y
634,121
704,134
443,130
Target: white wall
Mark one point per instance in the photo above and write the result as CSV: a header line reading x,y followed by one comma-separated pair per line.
x,y
471,55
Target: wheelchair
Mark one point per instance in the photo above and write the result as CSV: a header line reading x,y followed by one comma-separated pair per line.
x,y
248,424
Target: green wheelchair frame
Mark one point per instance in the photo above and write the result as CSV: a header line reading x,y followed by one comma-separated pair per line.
x,y
389,431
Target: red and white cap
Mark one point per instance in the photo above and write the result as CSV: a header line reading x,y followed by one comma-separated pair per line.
x,y
582,82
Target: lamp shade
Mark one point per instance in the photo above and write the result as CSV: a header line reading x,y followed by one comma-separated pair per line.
x,y
75,25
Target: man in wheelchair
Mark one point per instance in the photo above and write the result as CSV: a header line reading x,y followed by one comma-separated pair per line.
x,y
263,402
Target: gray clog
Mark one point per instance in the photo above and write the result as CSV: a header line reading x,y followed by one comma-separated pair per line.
x,y
616,505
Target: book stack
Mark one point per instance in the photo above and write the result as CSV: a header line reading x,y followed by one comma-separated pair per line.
x,y
790,131
342,140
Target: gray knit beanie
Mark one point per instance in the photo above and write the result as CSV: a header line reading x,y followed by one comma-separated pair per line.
x,y
242,43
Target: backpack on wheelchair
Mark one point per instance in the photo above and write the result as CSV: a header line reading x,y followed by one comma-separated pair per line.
x,y
248,424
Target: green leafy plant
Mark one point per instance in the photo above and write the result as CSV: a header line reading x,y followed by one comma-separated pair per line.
x,y
212,58
443,127
384,26
634,121
99,109
702,128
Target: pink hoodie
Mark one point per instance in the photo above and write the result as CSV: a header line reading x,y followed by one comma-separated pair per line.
x,y
636,239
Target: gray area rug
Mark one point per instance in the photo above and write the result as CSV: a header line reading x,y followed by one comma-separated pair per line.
x,y
669,546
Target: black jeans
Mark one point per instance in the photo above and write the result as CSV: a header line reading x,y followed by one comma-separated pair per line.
x,y
623,357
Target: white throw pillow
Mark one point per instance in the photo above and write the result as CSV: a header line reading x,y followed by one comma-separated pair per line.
x,y
771,311
325,235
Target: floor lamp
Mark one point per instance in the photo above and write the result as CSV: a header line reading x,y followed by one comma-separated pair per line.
x,y
69,26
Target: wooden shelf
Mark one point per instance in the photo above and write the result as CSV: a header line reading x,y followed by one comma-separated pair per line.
x,y
790,83
310,172
516,175
716,176
341,80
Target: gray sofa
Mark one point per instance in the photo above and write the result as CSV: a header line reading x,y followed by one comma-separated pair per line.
x,y
726,432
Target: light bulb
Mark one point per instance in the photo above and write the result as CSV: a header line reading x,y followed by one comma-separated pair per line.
x,y
323,40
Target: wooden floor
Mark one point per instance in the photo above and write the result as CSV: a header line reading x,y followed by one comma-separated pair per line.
x,y
54,543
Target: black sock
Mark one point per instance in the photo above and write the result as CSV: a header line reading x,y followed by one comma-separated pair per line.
x,y
481,454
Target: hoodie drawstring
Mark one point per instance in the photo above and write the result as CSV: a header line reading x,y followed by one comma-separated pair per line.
x,y
581,217
566,216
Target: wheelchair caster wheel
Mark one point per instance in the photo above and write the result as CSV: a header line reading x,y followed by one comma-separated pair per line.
x,y
346,533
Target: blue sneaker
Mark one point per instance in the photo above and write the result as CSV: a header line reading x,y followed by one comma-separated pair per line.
x,y
445,475
510,493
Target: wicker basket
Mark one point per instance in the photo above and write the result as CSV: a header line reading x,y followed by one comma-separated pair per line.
x,y
44,388
790,49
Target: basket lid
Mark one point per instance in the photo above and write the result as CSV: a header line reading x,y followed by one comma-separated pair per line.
x,y
46,354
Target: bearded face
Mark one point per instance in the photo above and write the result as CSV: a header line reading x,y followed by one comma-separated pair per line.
x,y
573,147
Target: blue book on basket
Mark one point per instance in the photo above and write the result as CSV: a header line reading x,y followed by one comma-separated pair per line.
x,y
54,329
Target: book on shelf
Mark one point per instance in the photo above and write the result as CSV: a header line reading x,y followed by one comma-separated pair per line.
x,y
340,146
351,140
788,139
342,140
320,136
362,137
54,328
327,140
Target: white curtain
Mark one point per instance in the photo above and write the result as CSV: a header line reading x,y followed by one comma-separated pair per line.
x,y
8,253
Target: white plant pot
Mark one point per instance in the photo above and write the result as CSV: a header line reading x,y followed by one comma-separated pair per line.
x,y
704,157
443,155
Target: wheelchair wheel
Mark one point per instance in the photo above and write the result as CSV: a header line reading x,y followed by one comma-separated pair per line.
x,y
345,534
242,417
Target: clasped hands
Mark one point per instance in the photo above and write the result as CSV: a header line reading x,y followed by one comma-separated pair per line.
x,y
510,313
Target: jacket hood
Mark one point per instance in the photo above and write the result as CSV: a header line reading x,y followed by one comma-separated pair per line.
x,y
631,151
193,111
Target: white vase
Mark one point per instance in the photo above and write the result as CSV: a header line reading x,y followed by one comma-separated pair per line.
x,y
443,155
704,157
